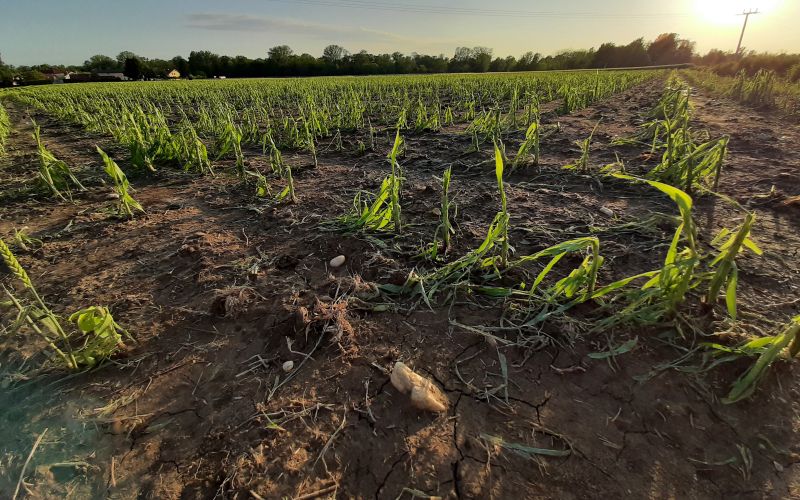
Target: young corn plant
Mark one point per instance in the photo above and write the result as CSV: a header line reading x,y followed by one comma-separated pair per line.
x,y
194,152
97,335
494,248
54,174
288,195
503,218
34,313
770,348
262,184
230,140
666,288
582,163
383,212
691,166
441,240
310,145
582,279
275,156
530,148
757,91
724,264
126,204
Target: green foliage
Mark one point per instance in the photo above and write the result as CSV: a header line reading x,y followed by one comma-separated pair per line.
x,y
54,174
98,336
724,264
686,162
530,149
126,205
770,348
502,219
758,90
382,213
441,239
582,163
583,278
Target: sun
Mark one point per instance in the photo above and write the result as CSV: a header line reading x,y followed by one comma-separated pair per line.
x,y
727,11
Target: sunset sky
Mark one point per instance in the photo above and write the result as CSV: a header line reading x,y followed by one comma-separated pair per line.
x,y
68,32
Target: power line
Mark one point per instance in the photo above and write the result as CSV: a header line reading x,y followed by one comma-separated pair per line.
x,y
424,9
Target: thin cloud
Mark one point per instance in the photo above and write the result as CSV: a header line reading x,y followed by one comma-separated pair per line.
x,y
243,23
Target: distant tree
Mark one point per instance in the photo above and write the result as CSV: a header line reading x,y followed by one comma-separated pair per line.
x,y
123,56
101,63
181,64
461,61
32,75
482,59
668,48
280,54
529,61
334,53
157,68
203,62
133,68
6,75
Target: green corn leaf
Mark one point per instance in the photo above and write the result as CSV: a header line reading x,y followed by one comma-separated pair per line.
x,y
730,293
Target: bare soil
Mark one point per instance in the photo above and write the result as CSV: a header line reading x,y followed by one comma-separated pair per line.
x,y
220,289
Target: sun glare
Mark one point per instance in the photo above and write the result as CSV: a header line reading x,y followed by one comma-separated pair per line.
x,y
727,11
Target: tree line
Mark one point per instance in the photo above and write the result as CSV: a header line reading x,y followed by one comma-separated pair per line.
x,y
282,61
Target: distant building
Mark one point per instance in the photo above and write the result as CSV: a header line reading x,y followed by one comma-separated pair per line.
x,y
112,77
56,77
78,77
174,74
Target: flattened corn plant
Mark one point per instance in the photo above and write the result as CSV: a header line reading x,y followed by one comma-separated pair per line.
x,y
758,91
382,213
725,272
54,174
768,350
230,140
581,165
96,336
530,149
484,257
126,205
686,162
667,288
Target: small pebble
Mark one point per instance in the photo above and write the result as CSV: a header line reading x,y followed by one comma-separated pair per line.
x,y
288,366
607,211
337,261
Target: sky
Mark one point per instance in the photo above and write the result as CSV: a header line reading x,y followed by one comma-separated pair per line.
x,y
70,31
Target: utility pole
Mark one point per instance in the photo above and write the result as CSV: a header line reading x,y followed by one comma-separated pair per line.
x,y
746,15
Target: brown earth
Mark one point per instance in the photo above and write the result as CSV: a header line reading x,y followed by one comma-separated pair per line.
x,y
220,289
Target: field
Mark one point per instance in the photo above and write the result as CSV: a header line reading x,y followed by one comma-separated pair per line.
x,y
594,274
